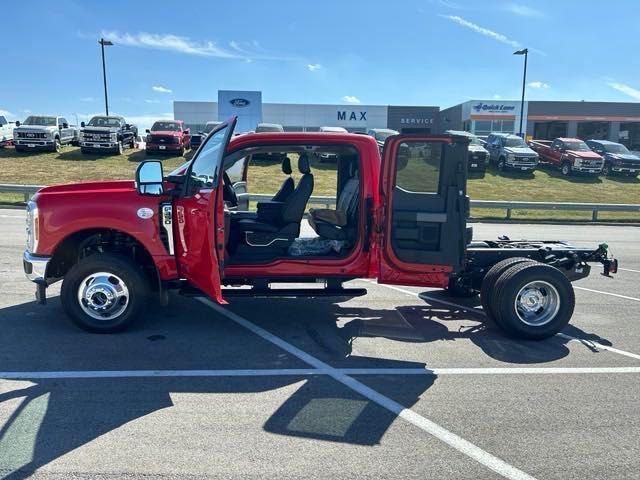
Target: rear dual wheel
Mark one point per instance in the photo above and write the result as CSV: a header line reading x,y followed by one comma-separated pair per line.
x,y
528,299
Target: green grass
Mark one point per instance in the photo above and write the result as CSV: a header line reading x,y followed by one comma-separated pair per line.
x,y
544,185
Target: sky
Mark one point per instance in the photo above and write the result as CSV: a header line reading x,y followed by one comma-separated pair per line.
x,y
429,52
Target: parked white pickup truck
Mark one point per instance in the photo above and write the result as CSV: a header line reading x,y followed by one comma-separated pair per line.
x,y
6,131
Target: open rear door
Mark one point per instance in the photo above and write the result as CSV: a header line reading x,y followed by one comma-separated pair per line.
x,y
200,215
425,207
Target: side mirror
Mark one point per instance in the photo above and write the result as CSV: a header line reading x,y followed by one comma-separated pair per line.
x,y
149,177
65,125
187,131
17,123
82,124
127,126
147,130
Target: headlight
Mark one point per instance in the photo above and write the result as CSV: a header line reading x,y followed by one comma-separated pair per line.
x,y
510,157
577,161
114,137
32,227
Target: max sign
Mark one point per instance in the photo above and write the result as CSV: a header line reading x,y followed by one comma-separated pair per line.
x,y
352,116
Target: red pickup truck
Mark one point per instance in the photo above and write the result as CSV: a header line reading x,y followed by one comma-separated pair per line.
x,y
570,155
400,218
168,136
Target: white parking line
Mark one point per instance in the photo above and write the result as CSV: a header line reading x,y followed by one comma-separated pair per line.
x,y
608,293
304,372
479,312
629,270
464,446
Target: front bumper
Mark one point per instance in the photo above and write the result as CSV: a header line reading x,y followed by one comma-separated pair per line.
x,y
585,169
625,169
520,165
33,143
171,147
35,267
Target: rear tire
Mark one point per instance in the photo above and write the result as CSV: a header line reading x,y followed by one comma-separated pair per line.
x,y
533,301
490,279
103,293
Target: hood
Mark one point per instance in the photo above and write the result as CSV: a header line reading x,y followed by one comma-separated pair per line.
x,y
101,129
478,149
520,151
623,156
590,155
109,186
170,133
35,128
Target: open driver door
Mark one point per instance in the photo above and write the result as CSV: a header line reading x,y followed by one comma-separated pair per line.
x,y
424,209
200,215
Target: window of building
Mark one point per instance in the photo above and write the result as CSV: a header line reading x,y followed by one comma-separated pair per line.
x,y
485,127
593,130
629,135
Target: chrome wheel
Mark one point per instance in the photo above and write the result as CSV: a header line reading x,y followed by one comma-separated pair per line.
x,y
103,296
537,303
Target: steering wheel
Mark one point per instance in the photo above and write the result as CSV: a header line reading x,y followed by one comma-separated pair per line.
x,y
228,193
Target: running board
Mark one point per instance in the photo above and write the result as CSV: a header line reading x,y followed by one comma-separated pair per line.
x,y
294,292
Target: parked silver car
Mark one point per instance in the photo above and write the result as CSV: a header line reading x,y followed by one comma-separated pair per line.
x,y
509,151
43,132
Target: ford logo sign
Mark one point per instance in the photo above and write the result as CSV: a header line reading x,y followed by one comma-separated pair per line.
x,y
239,102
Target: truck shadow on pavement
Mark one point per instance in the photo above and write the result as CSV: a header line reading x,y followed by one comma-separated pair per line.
x,y
42,419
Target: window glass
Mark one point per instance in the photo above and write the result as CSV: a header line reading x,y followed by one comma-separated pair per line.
x,y
418,166
482,127
205,165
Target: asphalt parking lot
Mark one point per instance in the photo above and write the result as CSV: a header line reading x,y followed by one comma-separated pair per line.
x,y
392,384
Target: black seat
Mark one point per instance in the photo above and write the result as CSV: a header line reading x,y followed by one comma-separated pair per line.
x,y
280,224
336,224
287,186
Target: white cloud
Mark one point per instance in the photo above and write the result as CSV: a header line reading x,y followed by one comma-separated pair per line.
x,y
626,89
187,46
538,84
448,4
6,113
26,110
523,10
499,37
350,99
87,99
161,89
314,67
152,101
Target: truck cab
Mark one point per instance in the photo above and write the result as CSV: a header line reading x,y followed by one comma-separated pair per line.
x,y
43,132
168,136
510,152
110,134
399,218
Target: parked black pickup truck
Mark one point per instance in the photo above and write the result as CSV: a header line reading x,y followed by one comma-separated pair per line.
x,y
617,158
111,133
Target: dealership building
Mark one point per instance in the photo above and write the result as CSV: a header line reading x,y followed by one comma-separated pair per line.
x,y
250,110
615,121
546,120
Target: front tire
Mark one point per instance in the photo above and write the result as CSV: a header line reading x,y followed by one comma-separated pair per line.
x,y
606,170
103,293
120,148
502,165
533,301
566,169
57,146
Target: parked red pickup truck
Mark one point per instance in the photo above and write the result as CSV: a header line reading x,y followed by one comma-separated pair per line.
x,y
400,218
168,136
570,155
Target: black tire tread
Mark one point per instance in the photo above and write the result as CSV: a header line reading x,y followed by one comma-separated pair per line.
x,y
490,279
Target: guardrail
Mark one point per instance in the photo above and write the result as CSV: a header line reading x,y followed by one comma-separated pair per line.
x,y
508,206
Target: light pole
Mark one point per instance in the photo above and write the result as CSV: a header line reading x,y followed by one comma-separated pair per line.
x,y
104,43
525,52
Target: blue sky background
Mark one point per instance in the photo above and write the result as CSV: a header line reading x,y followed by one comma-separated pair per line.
x,y
439,52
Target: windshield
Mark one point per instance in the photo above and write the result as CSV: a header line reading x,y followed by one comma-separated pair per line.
x,y
616,148
42,121
166,126
577,146
515,142
104,122
382,136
